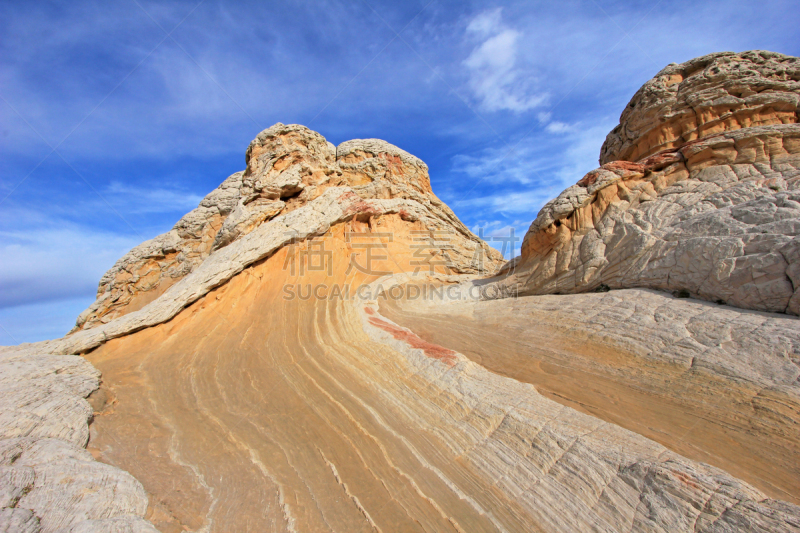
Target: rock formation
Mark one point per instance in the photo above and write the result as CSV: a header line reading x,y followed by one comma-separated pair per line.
x,y
714,383
287,167
48,481
269,364
293,192
702,97
699,193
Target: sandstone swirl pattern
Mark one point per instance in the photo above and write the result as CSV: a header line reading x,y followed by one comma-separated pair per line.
x,y
288,167
712,382
241,403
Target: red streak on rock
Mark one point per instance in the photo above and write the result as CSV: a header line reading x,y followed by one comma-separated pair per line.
x,y
405,215
686,480
661,159
355,205
624,165
588,179
394,162
431,350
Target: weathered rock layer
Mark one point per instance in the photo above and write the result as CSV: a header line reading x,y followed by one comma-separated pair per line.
x,y
48,481
288,167
715,215
254,377
714,383
329,416
707,95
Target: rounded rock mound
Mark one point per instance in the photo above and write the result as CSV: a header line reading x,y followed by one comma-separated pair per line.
x,y
698,193
707,95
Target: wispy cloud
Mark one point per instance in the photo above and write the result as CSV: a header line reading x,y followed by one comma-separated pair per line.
x,y
142,200
514,203
56,261
540,160
560,127
504,235
494,76
41,320
517,185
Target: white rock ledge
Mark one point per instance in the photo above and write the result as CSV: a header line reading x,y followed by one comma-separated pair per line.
x,y
48,481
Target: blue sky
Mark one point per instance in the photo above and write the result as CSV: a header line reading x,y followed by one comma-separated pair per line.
x,y
117,117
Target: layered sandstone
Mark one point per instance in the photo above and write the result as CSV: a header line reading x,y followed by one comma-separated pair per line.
x,y
707,95
266,365
322,414
287,167
715,217
714,383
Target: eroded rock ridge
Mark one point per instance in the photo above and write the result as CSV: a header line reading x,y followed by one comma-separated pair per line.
x,y
239,405
287,167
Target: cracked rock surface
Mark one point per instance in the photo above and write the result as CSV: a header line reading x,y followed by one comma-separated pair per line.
x,y
245,388
48,481
717,219
715,383
698,193
710,94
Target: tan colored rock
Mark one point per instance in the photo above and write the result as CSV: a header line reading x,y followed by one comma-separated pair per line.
x,y
717,219
330,416
114,525
48,481
714,383
247,394
288,166
464,253
710,94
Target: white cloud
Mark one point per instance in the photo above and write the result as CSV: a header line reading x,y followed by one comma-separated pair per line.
x,y
49,258
505,236
40,321
141,200
513,203
559,127
502,166
486,23
495,79
548,163
56,261
515,188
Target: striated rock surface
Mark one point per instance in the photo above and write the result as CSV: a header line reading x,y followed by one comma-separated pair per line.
x,y
288,166
715,217
330,416
264,379
48,481
707,95
714,383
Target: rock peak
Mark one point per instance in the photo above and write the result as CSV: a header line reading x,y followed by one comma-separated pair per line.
x,y
698,192
288,166
708,95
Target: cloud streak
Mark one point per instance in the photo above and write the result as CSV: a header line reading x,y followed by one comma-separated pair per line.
x,y
494,77
55,262
146,200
